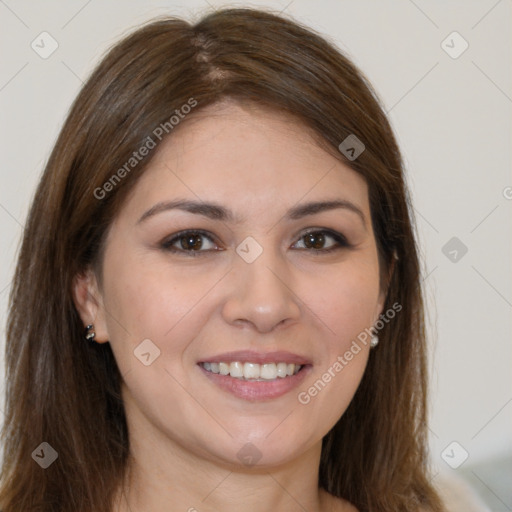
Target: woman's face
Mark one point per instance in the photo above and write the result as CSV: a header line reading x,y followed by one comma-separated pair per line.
x,y
267,257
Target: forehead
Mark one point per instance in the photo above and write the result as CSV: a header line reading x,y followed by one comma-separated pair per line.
x,y
249,158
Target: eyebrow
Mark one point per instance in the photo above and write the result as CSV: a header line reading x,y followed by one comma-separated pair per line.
x,y
217,212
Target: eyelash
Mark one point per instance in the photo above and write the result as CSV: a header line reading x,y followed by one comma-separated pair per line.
x,y
340,239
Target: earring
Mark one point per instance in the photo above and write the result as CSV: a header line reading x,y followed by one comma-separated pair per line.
x,y
374,341
89,333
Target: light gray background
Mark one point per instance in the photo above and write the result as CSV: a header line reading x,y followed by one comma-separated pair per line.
x,y
452,117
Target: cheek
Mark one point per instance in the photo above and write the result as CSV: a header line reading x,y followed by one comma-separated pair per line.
x,y
347,303
328,394
157,302
346,307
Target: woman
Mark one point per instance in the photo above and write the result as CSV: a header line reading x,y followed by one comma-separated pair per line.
x,y
217,301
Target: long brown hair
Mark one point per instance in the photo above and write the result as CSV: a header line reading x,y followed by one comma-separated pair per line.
x,y
66,392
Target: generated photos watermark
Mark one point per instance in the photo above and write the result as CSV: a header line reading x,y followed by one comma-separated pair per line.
x,y
363,339
147,146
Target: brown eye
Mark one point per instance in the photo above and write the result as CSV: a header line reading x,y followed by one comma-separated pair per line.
x,y
190,243
314,240
321,241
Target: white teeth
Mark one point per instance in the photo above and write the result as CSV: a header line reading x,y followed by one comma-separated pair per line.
x,y
281,370
268,371
253,371
236,369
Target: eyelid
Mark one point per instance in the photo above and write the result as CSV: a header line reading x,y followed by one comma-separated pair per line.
x,y
168,242
319,229
340,238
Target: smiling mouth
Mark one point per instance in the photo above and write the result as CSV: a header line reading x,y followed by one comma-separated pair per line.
x,y
253,371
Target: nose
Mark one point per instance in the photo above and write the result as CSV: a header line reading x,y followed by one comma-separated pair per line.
x,y
261,294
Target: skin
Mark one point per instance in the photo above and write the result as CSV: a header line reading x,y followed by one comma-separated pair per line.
x,y
185,432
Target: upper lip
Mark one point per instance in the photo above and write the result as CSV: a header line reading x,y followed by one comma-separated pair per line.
x,y
252,356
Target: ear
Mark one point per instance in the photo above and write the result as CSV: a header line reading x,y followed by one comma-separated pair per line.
x,y
384,290
89,303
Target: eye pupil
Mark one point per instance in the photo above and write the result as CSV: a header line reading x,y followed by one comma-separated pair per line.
x,y
314,240
191,242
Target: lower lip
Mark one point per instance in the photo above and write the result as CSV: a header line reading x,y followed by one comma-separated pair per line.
x,y
257,390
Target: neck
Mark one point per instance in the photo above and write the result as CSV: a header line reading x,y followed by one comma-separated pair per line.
x,y
163,475
160,482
